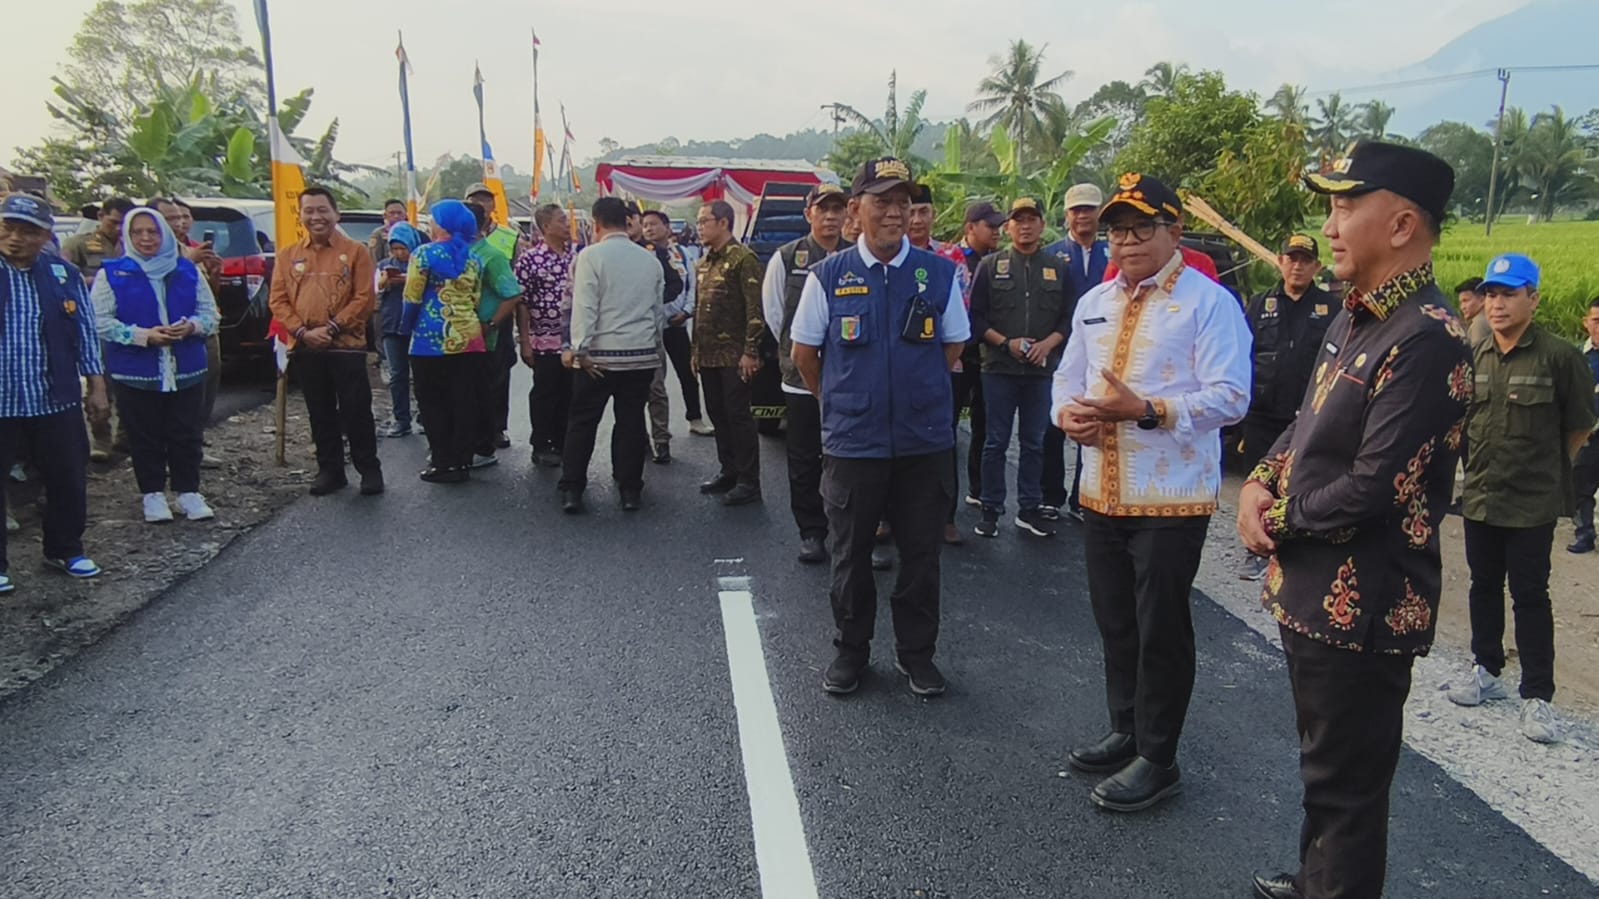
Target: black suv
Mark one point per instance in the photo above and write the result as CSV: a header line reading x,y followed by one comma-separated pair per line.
x,y
241,233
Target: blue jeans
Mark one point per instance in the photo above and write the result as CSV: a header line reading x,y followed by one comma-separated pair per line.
x,y
1022,402
397,353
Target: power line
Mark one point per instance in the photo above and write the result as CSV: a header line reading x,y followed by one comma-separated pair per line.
x,y
1445,79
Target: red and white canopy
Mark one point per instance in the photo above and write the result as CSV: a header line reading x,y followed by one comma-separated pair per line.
x,y
670,179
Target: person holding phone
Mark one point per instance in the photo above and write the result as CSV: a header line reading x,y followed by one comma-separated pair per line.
x,y
180,217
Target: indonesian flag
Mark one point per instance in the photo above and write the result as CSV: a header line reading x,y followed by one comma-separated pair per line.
x,y
282,341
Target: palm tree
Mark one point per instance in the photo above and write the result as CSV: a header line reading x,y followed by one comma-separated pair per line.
x,y
1289,104
1374,116
1551,163
1013,95
1331,128
898,130
1160,79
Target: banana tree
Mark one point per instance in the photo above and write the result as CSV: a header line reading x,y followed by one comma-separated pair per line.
x,y
955,187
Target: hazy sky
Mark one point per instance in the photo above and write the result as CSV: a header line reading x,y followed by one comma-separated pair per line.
x,y
637,71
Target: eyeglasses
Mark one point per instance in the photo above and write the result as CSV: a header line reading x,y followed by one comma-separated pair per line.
x,y
1138,232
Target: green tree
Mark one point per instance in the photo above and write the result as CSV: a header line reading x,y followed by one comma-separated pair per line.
x,y
1017,98
1289,105
1552,164
1256,185
999,180
1372,119
1182,135
1160,79
1332,127
898,130
126,52
1470,152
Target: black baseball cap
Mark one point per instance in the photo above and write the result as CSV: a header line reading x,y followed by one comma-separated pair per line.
x,y
921,194
823,192
1147,195
1026,206
1370,165
984,211
1301,243
882,175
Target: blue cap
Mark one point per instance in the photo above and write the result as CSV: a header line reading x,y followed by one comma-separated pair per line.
x,y
1511,270
27,208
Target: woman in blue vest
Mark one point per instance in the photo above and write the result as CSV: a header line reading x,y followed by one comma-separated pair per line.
x,y
154,312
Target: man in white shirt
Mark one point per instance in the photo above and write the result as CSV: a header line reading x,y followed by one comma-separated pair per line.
x,y
1158,362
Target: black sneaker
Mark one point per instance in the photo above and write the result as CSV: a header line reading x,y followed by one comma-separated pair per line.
x,y
328,482
502,440
844,675
1581,547
1032,521
1049,513
742,495
661,454
989,526
925,678
371,483
812,550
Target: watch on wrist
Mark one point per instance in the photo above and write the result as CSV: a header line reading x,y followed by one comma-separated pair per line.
x,y
1151,419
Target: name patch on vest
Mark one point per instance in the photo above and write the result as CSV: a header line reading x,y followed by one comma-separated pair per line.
x,y
1321,310
856,291
1049,275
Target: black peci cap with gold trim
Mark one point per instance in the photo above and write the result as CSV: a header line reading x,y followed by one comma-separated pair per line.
x,y
1370,165
1147,195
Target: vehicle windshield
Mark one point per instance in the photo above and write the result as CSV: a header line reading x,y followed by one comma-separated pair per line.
x,y
233,234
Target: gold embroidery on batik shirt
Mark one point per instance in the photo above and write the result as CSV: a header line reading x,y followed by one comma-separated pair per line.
x,y
1411,615
1342,604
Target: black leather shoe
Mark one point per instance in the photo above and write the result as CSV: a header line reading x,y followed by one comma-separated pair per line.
x,y
925,678
812,550
371,483
571,501
1111,753
661,454
1138,786
742,495
1277,886
722,483
502,440
882,558
436,475
328,482
844,675
631,500
1580,547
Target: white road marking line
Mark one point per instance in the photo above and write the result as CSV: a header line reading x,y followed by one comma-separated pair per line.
x,y
781,854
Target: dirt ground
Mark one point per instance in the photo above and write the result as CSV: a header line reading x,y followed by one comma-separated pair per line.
x,y
50,617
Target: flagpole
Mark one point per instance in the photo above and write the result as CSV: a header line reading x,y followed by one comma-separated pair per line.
x,y
538,127
281,399
411,199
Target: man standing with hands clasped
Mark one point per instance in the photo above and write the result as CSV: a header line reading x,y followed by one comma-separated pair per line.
x,y
1157,363
1348,503
727,339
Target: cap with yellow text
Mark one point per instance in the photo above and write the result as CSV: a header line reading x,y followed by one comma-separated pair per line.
x,y
881,175
1147,195
1025,206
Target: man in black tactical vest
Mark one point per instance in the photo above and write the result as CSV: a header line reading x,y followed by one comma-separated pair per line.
x,y
825,208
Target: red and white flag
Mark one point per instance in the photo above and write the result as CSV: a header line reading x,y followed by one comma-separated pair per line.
x,y
281,342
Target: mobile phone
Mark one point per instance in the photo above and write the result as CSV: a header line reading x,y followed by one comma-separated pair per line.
x,y
209,237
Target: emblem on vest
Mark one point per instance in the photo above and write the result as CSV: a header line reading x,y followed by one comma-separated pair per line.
x,y
1271,305
60,271
802,258
849,328
1049,275
1002,268
1320,310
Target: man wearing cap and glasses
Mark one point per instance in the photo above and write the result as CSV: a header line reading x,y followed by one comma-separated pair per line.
x,y
1348,502
47,342
1022,315
825,208
1289,323
877,329
1157,364
1531,413
1087,257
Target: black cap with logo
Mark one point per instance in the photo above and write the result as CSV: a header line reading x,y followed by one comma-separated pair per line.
x,y
824,192
1370,165
882,175
1147,195
1301,243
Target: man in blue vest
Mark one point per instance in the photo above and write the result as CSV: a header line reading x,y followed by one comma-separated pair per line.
x,y
47,341
1087,257
877,330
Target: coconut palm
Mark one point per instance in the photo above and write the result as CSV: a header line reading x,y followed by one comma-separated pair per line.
x,y
1373,119
1289,104
1014,96
1160,79
1551,163
896,133
1332,127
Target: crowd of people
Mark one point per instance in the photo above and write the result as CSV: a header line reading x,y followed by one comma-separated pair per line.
x,y
1353,409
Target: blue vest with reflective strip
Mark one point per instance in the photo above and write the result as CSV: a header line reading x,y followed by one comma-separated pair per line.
x,y
137,307
883,395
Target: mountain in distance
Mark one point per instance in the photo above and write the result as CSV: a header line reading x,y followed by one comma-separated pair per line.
x,y
1541,33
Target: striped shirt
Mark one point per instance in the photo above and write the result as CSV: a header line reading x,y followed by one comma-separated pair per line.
x,y
24,370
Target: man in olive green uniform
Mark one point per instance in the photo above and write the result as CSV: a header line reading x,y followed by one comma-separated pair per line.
x,y
1531,411
727,334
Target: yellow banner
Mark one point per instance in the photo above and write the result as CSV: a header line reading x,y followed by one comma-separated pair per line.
x,y
491,180
288,181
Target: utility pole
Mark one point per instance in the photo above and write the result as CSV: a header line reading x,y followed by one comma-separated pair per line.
x,y
838,119
1499,130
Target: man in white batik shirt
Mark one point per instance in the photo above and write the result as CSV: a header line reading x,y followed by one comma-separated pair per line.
x,y
1157,363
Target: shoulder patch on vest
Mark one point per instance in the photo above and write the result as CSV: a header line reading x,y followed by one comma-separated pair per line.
x,y
802,258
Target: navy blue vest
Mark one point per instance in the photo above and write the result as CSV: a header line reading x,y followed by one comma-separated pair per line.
x,y
883,395
136,306
55,280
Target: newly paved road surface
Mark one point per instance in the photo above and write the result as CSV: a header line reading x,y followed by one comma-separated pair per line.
x,y
461,692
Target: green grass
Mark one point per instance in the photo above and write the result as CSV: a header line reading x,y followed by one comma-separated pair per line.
x,y
1567,253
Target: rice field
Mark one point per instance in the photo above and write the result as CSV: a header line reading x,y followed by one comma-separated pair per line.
x,y
1567,253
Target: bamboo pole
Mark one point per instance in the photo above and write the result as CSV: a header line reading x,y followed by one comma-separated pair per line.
x,y
281,415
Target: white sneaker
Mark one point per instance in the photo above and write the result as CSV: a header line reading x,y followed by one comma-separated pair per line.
x,y
156,510
1538,721
1483,687
194,507
701,427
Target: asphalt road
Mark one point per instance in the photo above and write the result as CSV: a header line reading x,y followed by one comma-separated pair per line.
x,y
461,692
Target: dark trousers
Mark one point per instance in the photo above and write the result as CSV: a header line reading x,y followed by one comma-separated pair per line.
x,y
501,360
1257,436
549,402
1585,479
630,391
1349,708
909,492
727,400
338,400
1020,402
166,432
679,351
1520,555
804,441
59,449
213,377
968,390
1140,571
447,391
397,354
1055,490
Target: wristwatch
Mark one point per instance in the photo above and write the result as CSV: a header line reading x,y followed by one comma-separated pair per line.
x,y
1151,419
